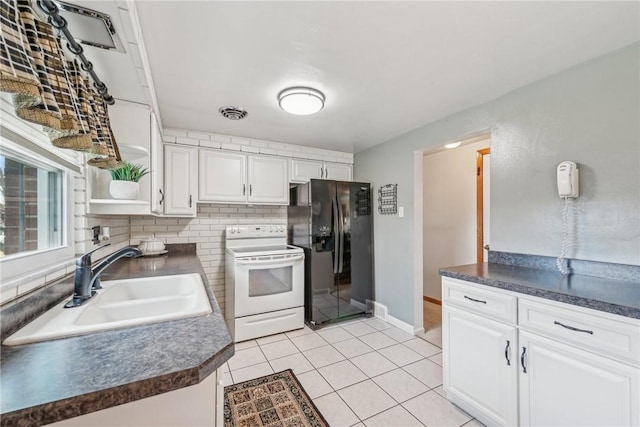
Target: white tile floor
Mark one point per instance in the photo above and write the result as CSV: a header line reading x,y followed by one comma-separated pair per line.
x,y
364,372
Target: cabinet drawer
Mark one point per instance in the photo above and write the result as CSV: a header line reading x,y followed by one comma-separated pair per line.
x,y
493,304
585,328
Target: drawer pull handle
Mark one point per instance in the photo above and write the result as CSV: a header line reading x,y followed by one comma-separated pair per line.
x,y
524,368
572,328
475,300
506,353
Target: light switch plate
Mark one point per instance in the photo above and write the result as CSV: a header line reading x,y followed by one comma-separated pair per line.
x,y
401,211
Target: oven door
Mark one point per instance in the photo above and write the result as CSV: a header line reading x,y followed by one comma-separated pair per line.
x,y
268,283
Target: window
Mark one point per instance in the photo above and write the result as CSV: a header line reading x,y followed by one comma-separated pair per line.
x,y
30,206
36,198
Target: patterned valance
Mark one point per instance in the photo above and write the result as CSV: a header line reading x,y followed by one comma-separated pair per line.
x,y
48,90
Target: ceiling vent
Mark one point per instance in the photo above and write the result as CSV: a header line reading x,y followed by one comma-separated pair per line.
x,y
233,113
90,27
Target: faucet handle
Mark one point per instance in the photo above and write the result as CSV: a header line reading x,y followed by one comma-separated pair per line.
x,y
85,259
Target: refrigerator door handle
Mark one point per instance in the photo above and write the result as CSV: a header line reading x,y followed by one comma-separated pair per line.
x,y
336,233
341,234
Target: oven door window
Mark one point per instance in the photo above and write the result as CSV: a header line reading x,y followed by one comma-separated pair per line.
x,y
270,281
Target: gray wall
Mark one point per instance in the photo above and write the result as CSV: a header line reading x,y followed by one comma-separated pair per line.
x,y
589,114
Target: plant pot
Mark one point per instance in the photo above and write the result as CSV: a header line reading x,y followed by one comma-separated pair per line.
x,y
127,190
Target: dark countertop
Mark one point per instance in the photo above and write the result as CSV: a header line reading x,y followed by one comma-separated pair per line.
x,y
620,297
45,382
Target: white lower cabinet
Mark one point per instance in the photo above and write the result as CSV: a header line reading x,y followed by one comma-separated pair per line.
x,y
564,386
197,405
482,368
557,365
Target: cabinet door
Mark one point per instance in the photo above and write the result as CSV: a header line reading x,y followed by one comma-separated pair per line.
x,y
180,180
222,176
480,365
566,386
268,181
338,172
156,169
304,170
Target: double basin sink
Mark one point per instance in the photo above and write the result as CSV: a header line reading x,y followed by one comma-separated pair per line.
x,y
120,304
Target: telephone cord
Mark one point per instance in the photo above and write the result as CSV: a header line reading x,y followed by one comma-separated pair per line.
x,y
560,261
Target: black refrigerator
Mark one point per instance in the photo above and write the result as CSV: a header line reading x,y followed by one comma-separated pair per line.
x,y
332,222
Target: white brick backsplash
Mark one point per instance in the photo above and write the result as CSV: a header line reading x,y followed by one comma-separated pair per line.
x,y
187,141
240,141
227,146
329,159
250,149
300,155
209,144
259,144
268,151
307,150
315,157
284,153
277,146
199,227
220,138
175,132
197,135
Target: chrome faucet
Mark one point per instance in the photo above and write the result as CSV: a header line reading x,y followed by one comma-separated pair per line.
x,y
87,278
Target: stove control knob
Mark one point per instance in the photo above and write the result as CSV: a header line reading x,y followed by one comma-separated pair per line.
x,y
238,230
281,229
232,230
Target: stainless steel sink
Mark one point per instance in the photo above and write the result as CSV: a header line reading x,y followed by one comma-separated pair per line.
x,y
121,303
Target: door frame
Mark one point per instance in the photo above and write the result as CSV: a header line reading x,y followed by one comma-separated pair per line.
x,y
480,203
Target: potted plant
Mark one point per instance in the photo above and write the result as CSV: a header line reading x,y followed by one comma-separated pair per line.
x,y
124,180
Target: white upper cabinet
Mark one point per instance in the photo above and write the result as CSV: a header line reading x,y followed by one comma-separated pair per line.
x,y
304,170
267,180
157,168
222,176
132,130
180,180
338,172
228,177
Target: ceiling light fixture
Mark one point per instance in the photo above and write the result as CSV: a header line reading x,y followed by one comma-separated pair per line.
x,y
301,101
453,145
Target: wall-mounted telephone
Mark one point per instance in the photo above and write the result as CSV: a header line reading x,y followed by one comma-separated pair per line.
x,y
568,180
568,189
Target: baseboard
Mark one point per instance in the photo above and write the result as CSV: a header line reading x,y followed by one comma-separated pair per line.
x,y
433,300
400,324
381,312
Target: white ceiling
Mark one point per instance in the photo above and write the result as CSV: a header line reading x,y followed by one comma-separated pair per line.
x,y
385,67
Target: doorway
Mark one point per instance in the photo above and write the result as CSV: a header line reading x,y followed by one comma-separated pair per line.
x,y
483,211
452,225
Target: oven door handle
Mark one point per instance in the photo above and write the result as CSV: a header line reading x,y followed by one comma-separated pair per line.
x,y
270,261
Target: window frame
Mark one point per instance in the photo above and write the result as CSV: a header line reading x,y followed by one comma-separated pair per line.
x,y
25,264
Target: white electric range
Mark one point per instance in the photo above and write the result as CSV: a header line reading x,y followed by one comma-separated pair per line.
x,y
264,282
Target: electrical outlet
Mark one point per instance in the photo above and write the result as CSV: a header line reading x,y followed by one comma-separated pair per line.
x,y
96,234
